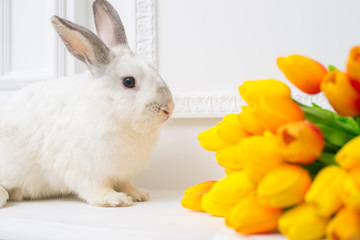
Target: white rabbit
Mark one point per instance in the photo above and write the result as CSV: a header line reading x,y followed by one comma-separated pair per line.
x,y
86,135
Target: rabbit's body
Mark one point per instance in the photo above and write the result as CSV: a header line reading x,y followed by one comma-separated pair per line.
x,y
86,135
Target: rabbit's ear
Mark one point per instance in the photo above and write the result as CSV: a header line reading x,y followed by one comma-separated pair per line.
x,y
108,24
81,43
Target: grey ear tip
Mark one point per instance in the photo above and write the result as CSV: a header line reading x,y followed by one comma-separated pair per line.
x,y
55,19
97,2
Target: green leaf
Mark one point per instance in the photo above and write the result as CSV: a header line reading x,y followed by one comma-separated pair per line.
x,y
330,147
334,136
357,120
327,158
314,168
331,68
336,130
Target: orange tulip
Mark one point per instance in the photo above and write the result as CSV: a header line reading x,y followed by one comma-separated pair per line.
x,y
272,112
345,225
305,73
249,216
251,90
341,94
284,186
300,142
193,195
353,68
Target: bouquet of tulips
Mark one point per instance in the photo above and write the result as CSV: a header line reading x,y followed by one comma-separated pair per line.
x,y
289,167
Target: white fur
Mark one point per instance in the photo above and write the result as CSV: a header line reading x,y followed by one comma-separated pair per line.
x,y
85,135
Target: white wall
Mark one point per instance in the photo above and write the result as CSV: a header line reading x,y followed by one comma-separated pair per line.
x,y
204,49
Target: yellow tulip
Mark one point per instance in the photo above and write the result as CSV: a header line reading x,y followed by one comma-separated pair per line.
x,y
300,142
305,73
284,186
353,67
344,226
226,193
324,192
251,90
231,158
272,112
230,118
261,155
193,195
249,216
211,141
230,132
303,223
249,121
348,156
341,94
351,189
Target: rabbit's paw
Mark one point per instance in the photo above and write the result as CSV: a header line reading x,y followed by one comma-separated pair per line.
x,y
4,196
138,195
114,199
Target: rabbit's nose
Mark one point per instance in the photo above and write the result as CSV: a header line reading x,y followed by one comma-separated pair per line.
x,y
167,109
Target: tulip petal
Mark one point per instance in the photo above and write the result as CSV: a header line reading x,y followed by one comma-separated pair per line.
x,y
305,73
300,142
349,155
193,195
251,90
249,217
325,190
341,94
211,141
284,186
303,223
226,193
345,225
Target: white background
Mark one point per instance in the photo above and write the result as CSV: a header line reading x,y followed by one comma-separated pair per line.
x,y
204,49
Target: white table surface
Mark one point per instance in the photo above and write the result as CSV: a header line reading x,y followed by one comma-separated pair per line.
x,y
160,218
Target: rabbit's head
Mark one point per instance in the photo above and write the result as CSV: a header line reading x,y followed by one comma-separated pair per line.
x,y
142,99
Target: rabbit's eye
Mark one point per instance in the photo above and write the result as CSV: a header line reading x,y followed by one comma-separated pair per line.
x,y
129,82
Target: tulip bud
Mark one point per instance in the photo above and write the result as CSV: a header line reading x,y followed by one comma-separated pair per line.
x,y
261,155
193,195
211,141
230,132
345,225
305,73
249,121
226,193
350,193
341,94
231,158
348,156
325,190
300,142
249,217
272,112
251,90
303,223
284,186
353,68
